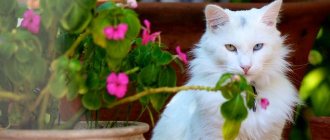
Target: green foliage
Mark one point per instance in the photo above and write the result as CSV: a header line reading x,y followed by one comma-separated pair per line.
x,y
8,12
313,88
92,101
21,59
234,110
74,15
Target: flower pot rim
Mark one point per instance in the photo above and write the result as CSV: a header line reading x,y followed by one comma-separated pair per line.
x,y
134,129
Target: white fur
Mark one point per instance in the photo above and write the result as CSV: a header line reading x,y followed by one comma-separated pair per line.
x,y
195,115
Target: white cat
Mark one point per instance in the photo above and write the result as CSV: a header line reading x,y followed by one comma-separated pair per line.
x,y
243,42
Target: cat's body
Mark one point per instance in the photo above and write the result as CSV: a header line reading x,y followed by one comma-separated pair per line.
x,y
244,42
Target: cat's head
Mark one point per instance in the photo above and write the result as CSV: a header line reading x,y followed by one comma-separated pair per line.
x,y
245,42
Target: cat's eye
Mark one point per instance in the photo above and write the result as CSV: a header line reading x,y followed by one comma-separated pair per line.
x,y
258,46
231,47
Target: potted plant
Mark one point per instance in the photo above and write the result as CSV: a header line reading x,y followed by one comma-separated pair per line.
x,y
91,53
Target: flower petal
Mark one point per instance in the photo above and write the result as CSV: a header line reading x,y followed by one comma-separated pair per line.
x,y
108,32
28,14
123,78
31,21
153,36
182,56
145,37
121,91
264,103
112,88
112,78
147,24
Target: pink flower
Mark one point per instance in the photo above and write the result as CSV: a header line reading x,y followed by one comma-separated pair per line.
x,y
182,56
115,33
264,103
132,4
117,84
31,21
146,36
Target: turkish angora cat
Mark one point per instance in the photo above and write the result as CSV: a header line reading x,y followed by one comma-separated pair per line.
x,y
242,42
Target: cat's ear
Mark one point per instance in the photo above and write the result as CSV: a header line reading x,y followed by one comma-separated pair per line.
x,y
270,17
215,16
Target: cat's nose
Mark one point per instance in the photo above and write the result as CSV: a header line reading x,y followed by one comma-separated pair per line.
x,y
246,68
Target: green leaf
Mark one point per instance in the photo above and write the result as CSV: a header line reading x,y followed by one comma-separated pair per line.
x,y
7,7
74,85
91,101
234,112
158,100
38,69
8,15
142,56
223,79
230,129
311,81
320,100
10,70
108,98
57,86
74,65
148,75
118,49
234,109
76,19
250,97
161,57
133,22
92,81
86,4
7,50
167,77
227,92
23,54
105,6
73,88
8,22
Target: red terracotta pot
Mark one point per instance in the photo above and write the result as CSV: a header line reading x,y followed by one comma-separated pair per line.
x,y
320,128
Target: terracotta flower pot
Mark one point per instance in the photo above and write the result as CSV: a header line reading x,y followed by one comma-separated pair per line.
x,y
320,128
134,131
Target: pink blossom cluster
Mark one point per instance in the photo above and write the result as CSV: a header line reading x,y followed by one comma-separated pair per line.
x,y
146,35
117,84
31,21
115,32
182,56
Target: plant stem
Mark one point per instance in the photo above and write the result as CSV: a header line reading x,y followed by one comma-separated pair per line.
x,y
76,43
135,69
158,90
4,95
43,109
39,98
73,120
